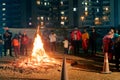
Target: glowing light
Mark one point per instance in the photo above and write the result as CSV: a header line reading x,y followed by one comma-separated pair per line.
x,y
38,57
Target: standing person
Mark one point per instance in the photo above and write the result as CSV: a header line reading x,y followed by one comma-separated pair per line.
x,y
85,41
93,41
75,39
24,44
53,38
107,44
16,45
7,42
117,52
66,45
1,45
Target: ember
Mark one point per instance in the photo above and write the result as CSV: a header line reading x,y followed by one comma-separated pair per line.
x,y
38,58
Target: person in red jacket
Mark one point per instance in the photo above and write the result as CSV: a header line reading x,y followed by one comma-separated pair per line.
x,y
107,44
75,38
24,44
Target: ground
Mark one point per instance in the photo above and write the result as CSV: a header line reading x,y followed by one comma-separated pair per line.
x,y
82,67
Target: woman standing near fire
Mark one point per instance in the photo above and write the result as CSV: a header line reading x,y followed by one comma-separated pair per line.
x,y
85,41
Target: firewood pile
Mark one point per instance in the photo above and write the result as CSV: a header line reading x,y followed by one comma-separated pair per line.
x,y
16,66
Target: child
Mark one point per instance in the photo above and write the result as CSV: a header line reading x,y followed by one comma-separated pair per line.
x,y
66,43
16,45
70,49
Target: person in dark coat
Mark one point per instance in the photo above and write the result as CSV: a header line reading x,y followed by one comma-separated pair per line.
x,y
117,52
93,41
7,42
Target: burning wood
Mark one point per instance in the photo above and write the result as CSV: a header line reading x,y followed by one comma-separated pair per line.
x,y
38,58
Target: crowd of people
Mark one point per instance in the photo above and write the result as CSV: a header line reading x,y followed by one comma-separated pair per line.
x,y
17,42
110,43
72,44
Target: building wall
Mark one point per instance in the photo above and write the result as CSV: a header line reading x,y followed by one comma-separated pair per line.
x,y
19,13
14,13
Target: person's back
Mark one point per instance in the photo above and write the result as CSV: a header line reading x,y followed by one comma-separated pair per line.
x,y
66,45
52,37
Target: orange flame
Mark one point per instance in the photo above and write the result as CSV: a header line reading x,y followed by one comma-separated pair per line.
x,y
38,56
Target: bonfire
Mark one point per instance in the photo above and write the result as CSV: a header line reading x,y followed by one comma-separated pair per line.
x,y
38,58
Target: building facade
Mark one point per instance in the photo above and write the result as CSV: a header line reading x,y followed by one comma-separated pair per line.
x,y
13,13
59,13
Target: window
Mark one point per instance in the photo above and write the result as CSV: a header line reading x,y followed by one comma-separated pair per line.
x,y
74,9
38,2
86,8
3,19
3,9
98,10
3,3
62,12
3,14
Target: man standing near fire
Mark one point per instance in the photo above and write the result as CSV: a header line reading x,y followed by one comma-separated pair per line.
x,y
75,39
53,38
7,42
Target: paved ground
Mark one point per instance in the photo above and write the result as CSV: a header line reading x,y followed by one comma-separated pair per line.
x,y
82,67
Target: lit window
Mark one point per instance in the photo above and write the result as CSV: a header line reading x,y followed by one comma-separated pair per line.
x,y
86,3
41,17
86,8
62,23
98,10
3,9
62,12
48,18
106,9
3,3
38,2
105,18
38,18
30,23
97,1
3,14
97,19
86,13
42,23
4,24
45,3
3,19
61,2
82,18
82,2
62,17
48,3
74,9
65,18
